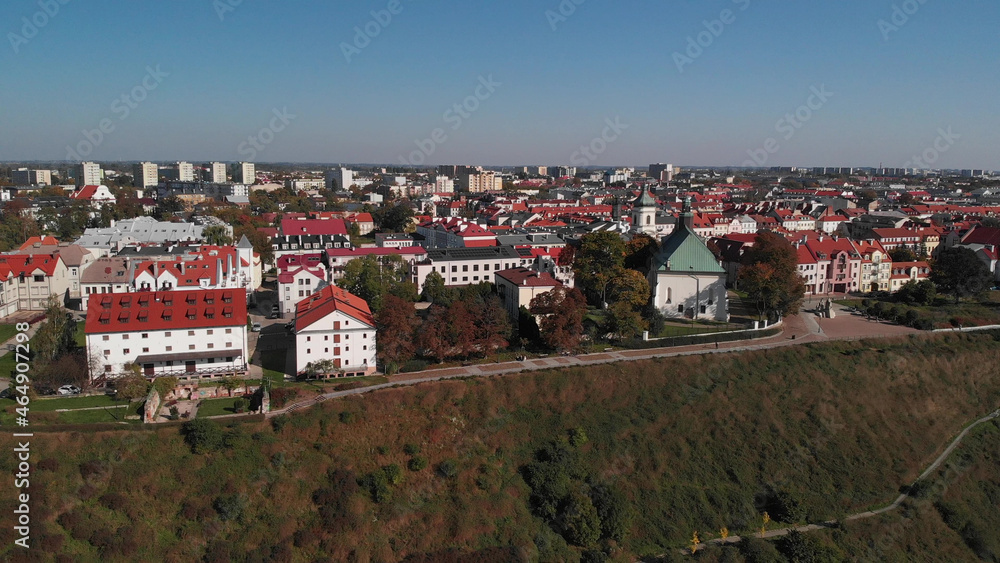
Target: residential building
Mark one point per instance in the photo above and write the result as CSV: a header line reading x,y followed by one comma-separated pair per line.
x,y
905,272
36,277
193,193
245,173
141,230
75,257
454,233
518,286
145,175
25,177
333,326
185,172
662,172
465,266
96,196
299,276
89,174
105,275
479,181
444,185
216,173
339,179
306,244
191,335
338,258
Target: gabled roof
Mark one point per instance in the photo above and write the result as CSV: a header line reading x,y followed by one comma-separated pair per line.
x,y
983,235
684,252
28,264
43,241
524,277
180,310
302,226
329,300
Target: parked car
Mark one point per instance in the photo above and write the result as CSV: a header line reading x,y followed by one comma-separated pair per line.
x,y
273,315
69,390
255,327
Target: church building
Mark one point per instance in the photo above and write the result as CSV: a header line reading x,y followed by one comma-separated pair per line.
x,y
686,278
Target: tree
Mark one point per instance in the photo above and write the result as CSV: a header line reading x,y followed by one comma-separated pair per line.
x,y
230,384
131,387
435,290
492,325
579,521
202,435
373,277
959,272
624,322
600,257
902,254
260,241
217,235
432,338
639,251
629,287
395,322
395,219
167,207
562,311
770,275
56,336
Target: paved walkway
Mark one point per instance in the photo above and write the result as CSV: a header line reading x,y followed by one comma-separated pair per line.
x,y
796,330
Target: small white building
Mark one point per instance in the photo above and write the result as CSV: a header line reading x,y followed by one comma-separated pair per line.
x,y
518,286
336,328
299,276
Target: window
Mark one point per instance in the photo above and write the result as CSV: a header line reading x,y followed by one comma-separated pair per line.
x,y
124,337
39,279
105,338
107,369
145,350
190,346
145,335
326,337
229,331
229,344
190,333
170,348
210,331
107,352
326,350
166,334
475,268
465,268
309,351
680,308
211,345
309,339
126,351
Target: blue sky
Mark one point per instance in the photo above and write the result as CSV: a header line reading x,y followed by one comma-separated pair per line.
x,y
560,79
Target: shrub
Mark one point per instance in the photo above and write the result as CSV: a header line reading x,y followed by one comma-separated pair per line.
x,y
229,507
447,469
114,501
614,510
49,464
202,435
417,463
411,449
241,405
348,417
577,437
383,450
393,474
279,422
377,486
280,396
579,521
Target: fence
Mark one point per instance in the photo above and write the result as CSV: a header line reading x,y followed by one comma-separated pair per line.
x,y
706,338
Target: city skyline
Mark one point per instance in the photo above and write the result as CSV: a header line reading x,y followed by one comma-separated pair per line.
x,y
724,84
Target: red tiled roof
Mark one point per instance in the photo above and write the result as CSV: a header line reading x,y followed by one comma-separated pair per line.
x,y
86,192
27,264
300,226
139,312
44,241
378,251
983,235
328,300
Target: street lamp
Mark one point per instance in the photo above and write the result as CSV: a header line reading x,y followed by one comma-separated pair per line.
x,y
697,294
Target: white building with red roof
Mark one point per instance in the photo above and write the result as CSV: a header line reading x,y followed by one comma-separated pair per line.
x,y
192,335
299,276
329,226
905,272
338,258
34,277
455,233
336,329
94,195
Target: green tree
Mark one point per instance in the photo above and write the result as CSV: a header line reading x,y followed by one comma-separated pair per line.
x,y
372,278
902,254
167,207
217,235
435,290
579,522
614,510
600,257
202,435
132,387
56,336
624,322
230,384
394,219
770,275
629,287
959,272
492,325
260,241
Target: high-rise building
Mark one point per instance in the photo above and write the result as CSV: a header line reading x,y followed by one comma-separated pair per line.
x,y
444,185
217,173
89,174
539,170
661,172
476,182
449,170
339,179
563,171
25,177
185,172
145,175
245,173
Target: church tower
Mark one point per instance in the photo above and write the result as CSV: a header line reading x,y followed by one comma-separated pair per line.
x,y
644,213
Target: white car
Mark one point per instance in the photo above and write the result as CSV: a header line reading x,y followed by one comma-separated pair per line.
x,y
69,390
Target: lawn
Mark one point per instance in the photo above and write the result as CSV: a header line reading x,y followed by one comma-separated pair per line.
x,y
94,416
48,405
945,313
216,407
273,364
7,332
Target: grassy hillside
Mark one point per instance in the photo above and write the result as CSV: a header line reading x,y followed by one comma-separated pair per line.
x,y
628,458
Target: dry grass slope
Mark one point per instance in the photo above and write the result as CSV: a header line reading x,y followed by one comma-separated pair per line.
x,y
694,443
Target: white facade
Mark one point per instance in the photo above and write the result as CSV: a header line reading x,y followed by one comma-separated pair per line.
x,y
245,173
88,174
145,175
217,173
444,185
295,287
185,172
692,296
339,179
